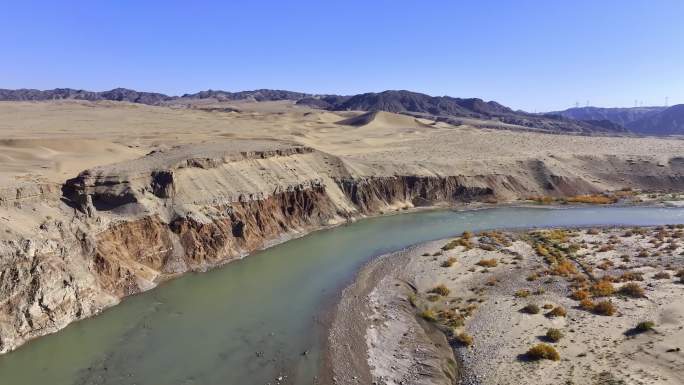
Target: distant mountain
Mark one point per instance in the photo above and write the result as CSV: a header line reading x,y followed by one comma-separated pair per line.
x,y
640,120
667,122
621,116
117,94
257,95
450,109
442,108
132,96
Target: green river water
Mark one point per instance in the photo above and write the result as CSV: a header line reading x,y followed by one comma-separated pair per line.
x,y
250,321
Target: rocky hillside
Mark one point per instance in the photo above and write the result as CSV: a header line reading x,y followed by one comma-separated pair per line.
x,y
117,94
620,116
452,110
667,122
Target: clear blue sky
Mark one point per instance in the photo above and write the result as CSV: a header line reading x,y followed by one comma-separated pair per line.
x,y
535,55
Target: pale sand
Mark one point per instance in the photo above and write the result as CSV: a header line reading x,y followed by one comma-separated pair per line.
x,y
51,141
595,349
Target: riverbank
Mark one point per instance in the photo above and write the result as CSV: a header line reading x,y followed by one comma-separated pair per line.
x,y
496,295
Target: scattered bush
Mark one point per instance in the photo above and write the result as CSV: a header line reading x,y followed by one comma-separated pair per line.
x,y
631,276
449,262
428,315
558,311
464,339
543,352
530,309
522,293
564,268
632,290
593,199
554,335
487,262
587,304
579,295
644,326
662,275
604,308
602,288
440,290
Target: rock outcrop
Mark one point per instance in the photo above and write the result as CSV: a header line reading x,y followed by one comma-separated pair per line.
x,y
67,253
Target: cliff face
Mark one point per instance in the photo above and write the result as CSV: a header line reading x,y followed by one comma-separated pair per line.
x,y
119,230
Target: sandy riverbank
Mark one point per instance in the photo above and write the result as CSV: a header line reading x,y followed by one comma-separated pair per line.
x,y
383,331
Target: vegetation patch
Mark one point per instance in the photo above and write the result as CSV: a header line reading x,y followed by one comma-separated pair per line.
x,y
644,326
553,335
464,339
543,352
530,309
449,262
558,311
440,290
604,308
632,290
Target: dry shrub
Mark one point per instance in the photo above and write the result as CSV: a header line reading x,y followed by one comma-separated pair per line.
x,y
554,335
579,294
602,288
558,311
530,309
487,262
449,262
543,352
604,308
587,304
593,199
631,276
464,339
564,269
662,275
632,290
440,289
522,293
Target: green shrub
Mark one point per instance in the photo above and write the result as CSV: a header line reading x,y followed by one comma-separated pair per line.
x,y
530,309
440,290
554,335
428,315
644,326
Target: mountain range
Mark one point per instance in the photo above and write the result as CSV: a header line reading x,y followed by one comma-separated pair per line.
x,y
655,120
641,120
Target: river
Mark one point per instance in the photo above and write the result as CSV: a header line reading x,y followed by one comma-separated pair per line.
x,y
256,319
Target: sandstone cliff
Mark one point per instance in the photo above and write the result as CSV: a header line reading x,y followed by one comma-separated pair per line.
x,y
67,252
